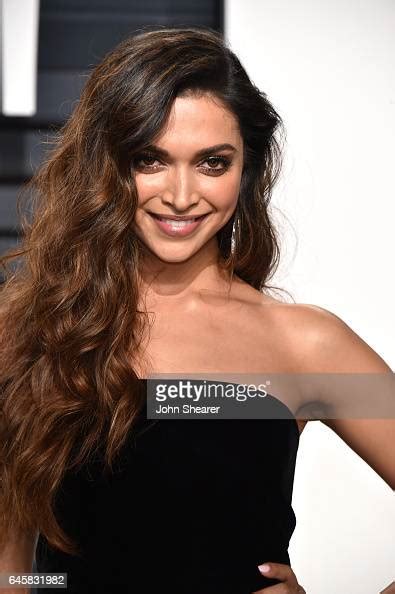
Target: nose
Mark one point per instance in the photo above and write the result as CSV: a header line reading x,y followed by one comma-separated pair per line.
x,y
180,192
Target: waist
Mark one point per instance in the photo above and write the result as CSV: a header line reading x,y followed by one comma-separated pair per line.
x,y
156,572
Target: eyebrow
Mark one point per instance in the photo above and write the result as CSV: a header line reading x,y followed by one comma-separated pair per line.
x,y
201,153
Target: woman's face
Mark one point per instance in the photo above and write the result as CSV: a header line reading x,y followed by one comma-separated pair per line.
x,y
187,174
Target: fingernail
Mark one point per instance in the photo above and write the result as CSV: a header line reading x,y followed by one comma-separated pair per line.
x,y
264,568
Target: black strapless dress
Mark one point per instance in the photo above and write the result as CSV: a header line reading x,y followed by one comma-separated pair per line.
x,y
192,507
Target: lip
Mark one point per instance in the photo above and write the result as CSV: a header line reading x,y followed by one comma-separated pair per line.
x,y
173,230
177,217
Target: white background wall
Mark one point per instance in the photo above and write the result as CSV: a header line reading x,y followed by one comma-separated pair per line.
x,y
328,66
18,56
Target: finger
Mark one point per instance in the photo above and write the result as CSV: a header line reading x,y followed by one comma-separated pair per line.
x,y
277,589
280,571
281,589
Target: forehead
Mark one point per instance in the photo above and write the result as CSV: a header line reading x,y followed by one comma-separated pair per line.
x,y
199,121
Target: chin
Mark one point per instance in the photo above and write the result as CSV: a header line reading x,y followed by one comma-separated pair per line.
x,y
173,259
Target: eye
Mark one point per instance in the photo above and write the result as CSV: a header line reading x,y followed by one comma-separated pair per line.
x,y
221,160
144,161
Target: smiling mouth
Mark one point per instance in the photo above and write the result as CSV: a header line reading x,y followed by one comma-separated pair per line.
x,y
178,226
174,219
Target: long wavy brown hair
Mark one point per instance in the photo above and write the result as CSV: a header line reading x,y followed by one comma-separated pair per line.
x,y
70,324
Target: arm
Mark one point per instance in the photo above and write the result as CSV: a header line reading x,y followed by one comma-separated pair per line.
x,y
333,347
18,557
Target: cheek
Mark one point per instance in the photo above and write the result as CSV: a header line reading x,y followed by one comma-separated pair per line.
x,y
145,188
226,192
227,184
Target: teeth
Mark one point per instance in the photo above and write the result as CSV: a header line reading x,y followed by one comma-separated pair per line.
x,y
174,223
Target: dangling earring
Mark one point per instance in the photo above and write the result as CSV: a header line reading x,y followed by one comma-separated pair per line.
x,y
233,237
232,241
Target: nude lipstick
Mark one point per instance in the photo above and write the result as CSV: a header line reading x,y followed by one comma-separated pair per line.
x,y
178,227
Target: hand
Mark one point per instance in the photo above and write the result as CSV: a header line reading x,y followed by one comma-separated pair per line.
x,y
284,573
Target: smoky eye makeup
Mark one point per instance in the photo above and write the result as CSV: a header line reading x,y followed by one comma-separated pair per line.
x,y
217,164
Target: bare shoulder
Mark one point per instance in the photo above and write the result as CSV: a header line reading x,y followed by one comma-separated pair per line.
x,y
313,339
321,342
327,344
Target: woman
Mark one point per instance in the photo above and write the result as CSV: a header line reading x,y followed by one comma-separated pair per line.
x,y
111,289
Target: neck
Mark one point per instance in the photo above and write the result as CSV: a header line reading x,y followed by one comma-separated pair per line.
x,y
164,283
